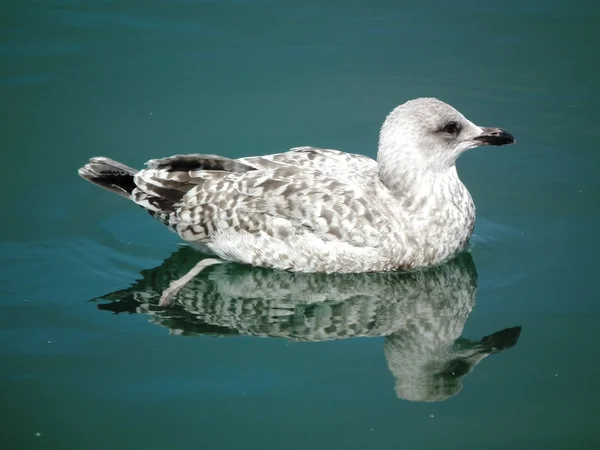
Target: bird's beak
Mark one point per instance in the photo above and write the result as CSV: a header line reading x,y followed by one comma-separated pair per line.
x,y
494,136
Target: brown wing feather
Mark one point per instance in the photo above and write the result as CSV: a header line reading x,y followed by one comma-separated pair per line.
x,y
161,187
278,202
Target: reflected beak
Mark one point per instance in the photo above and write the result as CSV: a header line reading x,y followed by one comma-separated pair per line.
x,y
501,340
494,136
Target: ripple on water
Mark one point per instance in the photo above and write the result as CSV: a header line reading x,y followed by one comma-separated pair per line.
x,y
31,267
494,246
488,233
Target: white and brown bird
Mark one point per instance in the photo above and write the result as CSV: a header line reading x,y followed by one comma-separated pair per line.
x,y
319,210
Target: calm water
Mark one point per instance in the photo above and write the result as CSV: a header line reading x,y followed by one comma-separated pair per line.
x,y
236,364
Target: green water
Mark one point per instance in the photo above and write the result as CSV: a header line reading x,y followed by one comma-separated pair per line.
x,y
252,359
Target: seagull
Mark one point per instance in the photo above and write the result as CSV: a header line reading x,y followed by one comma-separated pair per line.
x,y
314,209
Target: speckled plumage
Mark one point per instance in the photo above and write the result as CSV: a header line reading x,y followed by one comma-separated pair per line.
x,y
320,210
421,314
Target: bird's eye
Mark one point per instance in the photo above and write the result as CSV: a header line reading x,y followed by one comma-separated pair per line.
x,y
451,128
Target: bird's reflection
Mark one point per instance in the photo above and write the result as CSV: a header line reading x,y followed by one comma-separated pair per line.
x,y
420,314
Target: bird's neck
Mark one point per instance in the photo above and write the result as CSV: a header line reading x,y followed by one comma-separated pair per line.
x,y
409,176
433,204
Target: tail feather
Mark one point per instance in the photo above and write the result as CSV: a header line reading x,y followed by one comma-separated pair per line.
x,y
161,186
110,175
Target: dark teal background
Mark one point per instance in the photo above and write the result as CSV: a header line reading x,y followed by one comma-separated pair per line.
x,y
137,80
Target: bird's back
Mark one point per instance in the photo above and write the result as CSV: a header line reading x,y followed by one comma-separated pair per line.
x,y
308,209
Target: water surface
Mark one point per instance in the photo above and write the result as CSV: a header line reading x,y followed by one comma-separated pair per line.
x,y
262,360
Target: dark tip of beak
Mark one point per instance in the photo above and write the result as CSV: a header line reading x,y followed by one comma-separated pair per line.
x,y
495,136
